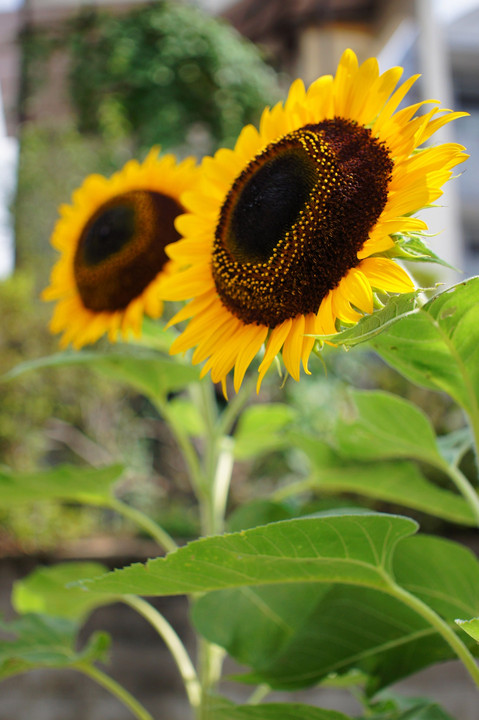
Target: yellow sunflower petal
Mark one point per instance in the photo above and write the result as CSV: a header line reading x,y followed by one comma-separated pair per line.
x,y
308,342
357,289
251,345
325,319
386,275
393,103
341,306
187,283
343,82
274,345
293,347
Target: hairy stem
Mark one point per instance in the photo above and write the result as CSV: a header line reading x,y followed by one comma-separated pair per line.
x,y
184,443
152,528
259,694
464,486
174,644
440,625
115,689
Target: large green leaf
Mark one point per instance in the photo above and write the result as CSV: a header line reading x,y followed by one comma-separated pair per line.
x,y
44,641
145,370
399,482
344,628
276,711
257,624
86,485
354,549
437,346
379,426
48,590
348,628
444,574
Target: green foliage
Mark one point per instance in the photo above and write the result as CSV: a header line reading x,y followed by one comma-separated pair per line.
x,y
370,326
145,370
471,627
260,429
355,549
276,711
379,426
437,347
46,641
87,485
355,598
48,591
164,73
401,483
293,636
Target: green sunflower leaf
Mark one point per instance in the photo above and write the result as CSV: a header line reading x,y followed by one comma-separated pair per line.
x,y
48,590
257,512
44,641
145,370
414,249
378,426
354,548
260,429
416,709
187,415
471,627
437,346
92,486
454,445
276,711
303,634
399,482
369,326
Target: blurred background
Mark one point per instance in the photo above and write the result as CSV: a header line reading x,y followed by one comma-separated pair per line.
x,y
87,85
84,86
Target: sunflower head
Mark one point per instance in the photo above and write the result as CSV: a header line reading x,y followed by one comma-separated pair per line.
x,y
290,234
112,242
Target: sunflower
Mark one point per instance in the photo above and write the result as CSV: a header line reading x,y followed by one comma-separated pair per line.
x,y
289,234
112,242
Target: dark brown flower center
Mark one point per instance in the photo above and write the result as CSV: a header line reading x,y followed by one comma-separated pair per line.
x,y
294,220
122,248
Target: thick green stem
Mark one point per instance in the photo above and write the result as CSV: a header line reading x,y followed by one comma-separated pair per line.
x,y
464,486
221,482
440,625
184,443
146,523
174,644
474,424
259,694
210,661
115,689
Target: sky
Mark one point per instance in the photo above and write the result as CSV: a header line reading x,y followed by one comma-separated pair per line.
x,y
8,5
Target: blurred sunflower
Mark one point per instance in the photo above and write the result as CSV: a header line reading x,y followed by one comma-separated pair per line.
x,y
286,235
112,242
